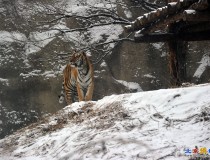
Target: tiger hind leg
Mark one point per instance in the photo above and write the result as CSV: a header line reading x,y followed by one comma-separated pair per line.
x,y
68,96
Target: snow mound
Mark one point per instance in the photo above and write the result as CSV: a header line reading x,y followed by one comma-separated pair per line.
x,y
149,125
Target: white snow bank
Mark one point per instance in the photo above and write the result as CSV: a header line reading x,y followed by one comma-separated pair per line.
x,y
151,125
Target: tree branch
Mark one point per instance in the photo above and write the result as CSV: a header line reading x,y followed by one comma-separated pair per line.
x,y
118,18
88,27
117,42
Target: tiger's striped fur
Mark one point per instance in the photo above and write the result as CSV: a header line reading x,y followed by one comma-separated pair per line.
x,y
78,76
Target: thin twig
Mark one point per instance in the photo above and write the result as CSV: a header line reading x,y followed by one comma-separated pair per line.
x,y
113,41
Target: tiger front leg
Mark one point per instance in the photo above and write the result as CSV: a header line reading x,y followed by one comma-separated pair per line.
x,y
89,93
80,93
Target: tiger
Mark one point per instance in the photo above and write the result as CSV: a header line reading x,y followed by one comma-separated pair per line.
x,y
78,79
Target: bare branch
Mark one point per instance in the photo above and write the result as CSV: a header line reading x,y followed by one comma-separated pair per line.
x,y
88,27
107,15
117,42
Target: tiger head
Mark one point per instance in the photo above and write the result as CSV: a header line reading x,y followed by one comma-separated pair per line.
x,y
77,59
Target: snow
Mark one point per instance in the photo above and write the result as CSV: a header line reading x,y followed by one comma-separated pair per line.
x,y
157,46
38,40
172,4
204,63
82,8
149,76
190,11
103,64
112,32
9,37
4,81
128,13
130,85
36,73
145,125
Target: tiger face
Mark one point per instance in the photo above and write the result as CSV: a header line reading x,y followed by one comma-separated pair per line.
x,y
77,59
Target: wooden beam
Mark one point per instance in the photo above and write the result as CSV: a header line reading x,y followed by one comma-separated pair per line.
x,y
149,19
201,5
196,27
165,37
196,16
163,23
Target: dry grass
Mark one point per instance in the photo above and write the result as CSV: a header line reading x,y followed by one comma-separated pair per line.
x,y
100,118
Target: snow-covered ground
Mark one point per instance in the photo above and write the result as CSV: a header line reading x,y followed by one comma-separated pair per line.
x,y
151,125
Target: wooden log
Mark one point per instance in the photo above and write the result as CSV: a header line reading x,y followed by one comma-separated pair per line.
x,y
165,37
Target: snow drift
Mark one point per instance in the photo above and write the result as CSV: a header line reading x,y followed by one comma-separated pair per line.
x,y
150,125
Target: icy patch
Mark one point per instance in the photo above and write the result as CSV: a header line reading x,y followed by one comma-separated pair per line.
x,y
130,85
204,63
